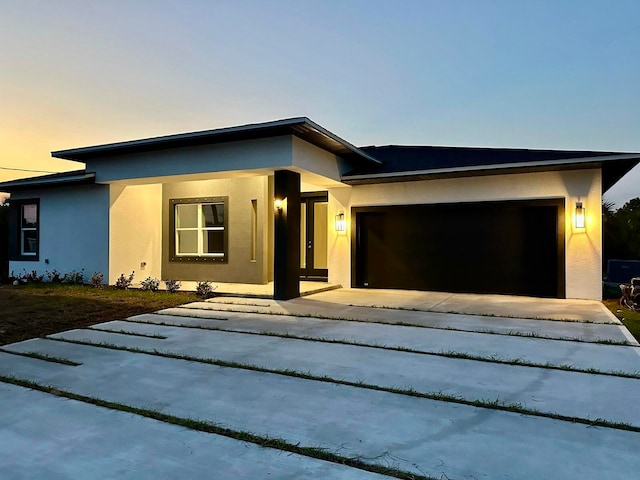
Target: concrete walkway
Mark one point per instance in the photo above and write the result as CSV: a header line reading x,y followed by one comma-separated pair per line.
x,y
45,437
474,304
365,418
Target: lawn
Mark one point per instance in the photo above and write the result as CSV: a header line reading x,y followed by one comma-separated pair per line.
x,y
630,319
39,309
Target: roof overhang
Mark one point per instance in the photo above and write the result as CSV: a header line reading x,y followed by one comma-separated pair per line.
x,y
301,127
76,177
614,167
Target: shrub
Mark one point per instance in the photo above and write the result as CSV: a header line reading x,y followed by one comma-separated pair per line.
x,y
150,284
54,276
74,277
204,289
96,280
124,282
32,276
172,286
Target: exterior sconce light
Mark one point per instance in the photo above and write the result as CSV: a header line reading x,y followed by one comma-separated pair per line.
x,y
280,204
579,215
340,223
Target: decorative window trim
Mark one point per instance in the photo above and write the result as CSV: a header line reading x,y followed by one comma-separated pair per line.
x,y
197,258
16,241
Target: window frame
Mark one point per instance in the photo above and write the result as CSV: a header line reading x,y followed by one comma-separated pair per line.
x,y
199,257
16,244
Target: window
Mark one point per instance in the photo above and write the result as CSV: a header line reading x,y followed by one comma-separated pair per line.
x,y
199,229
25,218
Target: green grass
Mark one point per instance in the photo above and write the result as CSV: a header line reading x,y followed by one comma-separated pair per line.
x,y
39,309
630,319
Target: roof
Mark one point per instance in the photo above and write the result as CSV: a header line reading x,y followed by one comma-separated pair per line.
x,y
400,163
76,177
301,127
371,164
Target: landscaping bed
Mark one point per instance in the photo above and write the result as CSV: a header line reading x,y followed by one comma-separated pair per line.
x,y
38,309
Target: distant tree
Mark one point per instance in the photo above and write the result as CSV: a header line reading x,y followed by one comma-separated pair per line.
x,y
621,231
628,217
612,242
4,238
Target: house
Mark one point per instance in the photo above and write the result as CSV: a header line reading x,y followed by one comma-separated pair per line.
x,y
288,200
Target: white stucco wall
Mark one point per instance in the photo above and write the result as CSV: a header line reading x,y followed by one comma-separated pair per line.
x,y
310,158
74,230
159,166
135,233
583,249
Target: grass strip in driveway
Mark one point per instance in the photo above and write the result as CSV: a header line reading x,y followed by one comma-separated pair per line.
x,y
448,354
212,428
511,333
125,332
40,356
437,396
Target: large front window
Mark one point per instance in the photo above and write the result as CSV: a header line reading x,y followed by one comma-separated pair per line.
x,y
199,229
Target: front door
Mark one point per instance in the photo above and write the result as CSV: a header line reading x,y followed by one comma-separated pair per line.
x,y
313,236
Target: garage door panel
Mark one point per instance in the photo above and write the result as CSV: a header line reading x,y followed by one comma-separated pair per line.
x,y
502,247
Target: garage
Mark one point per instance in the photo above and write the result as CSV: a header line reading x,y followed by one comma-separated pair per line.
x,y
513,247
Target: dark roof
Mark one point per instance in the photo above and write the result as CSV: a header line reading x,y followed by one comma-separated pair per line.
x,y
409,162
77,177
301,127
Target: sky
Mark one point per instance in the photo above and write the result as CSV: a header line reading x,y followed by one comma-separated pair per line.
x,y
560,74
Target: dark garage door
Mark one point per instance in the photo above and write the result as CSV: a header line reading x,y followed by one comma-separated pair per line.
x,y
490,247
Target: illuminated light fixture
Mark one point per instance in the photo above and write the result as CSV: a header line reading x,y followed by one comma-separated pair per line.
x,y
280,203
341,223
579,216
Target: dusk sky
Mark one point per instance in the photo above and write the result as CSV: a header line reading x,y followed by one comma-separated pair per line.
x,y
559,74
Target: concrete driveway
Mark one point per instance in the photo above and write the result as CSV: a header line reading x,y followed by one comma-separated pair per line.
x,y
346,389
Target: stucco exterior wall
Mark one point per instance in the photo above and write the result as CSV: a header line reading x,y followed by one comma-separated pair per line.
x,y
158,166
135,233
313,159
240,267
583,249
74,230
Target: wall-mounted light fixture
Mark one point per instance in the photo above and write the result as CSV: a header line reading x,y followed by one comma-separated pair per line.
x,y
578,219
340,223
280,204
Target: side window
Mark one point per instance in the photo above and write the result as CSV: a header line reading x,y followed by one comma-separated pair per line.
x,y
29,230
24,243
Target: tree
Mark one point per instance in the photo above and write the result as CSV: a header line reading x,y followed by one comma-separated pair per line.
x,y
621,231
4,238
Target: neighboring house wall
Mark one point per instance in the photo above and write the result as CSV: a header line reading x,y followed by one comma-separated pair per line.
x,y
135,232
583,250
74,230
240,266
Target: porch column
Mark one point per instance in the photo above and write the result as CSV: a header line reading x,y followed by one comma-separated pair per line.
x,y
286,265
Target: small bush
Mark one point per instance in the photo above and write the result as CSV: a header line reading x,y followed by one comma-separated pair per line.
x,y
33,276
96,280
172,286
54,276
74,277
204,289
124,282
150,284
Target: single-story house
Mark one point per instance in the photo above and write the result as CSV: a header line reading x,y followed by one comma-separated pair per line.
x,y
288,200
